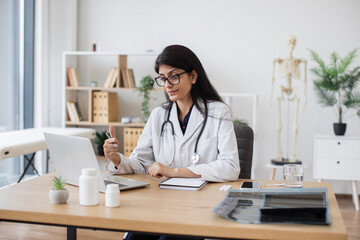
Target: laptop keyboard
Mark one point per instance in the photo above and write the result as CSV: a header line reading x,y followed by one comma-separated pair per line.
x,y
109,182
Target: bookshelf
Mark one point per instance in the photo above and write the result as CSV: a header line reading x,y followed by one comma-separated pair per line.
x,y
96,66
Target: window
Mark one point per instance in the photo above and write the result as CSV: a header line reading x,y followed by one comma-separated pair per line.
x,y
16,61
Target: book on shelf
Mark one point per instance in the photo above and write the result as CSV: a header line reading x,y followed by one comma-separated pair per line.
x,y
127,78
73,109
78,112
114,82
117,80
191,184
123,81
70,111
130,78
109,77
72,76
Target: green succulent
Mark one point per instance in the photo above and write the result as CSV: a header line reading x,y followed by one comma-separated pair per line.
x,y
335,84
59,183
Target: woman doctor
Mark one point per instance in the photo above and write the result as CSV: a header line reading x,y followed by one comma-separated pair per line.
x,y
191,135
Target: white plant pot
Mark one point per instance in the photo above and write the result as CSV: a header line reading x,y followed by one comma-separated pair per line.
x,y
58,196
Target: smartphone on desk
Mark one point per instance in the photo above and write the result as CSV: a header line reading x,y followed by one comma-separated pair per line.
x,y
253,185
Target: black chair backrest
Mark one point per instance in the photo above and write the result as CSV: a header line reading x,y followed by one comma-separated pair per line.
x,y
245,142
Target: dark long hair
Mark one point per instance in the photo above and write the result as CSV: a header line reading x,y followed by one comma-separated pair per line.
x,y
181,57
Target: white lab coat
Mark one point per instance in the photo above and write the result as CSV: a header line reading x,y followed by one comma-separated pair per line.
x,y
217,147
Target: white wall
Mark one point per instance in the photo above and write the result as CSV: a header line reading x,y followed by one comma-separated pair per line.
x,y
236,42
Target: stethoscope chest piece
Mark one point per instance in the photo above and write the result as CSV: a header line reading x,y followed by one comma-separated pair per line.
x,y
195,157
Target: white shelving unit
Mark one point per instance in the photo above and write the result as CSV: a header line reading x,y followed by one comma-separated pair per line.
x,y
94,66
83,93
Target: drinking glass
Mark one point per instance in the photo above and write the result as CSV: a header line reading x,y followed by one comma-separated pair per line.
x,y
293,175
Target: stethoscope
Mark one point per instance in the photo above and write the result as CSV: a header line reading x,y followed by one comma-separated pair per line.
x,y
195,157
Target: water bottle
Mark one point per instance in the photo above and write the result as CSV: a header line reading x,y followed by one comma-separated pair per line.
x,y
112,195
88,187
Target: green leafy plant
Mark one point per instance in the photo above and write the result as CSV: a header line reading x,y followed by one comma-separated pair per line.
x,y
335,84
241,121
58,183
100,138
146,85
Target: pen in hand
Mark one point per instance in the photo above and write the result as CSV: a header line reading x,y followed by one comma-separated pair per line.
x,y
108,135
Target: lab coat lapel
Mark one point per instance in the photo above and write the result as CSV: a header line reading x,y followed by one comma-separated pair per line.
x,y
175,121
195,121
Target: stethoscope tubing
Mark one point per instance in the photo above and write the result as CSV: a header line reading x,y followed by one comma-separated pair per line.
x,y
195,156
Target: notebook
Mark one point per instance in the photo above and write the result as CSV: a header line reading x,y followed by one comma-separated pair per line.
x,y
71,154
192,184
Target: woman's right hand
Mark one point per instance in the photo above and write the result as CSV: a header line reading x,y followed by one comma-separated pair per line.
x,y
110,148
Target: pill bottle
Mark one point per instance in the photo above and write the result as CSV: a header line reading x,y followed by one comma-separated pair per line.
x,y
88,187
112,195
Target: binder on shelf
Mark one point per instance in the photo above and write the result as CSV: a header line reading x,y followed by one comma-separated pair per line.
x,y
95,106
104,107
131,136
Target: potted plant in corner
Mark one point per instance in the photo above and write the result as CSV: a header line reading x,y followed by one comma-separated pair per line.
x,y
146,85
335,86
99,140
58,194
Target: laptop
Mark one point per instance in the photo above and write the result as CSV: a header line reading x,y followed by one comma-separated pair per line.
x,y
70,154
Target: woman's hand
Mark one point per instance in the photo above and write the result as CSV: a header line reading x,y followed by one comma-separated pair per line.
x,y
159,170
110,148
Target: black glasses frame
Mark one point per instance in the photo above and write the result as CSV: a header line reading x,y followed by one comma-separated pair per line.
x,y
164,79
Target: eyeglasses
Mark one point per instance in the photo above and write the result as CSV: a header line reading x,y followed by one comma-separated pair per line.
x,y
173,79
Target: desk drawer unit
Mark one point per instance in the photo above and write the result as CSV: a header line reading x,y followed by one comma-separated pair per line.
x,y
337,158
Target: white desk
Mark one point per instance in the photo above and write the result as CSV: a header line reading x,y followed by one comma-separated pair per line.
x,y
26,141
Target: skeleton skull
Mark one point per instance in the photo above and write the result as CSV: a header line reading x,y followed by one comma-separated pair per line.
x,y
291,42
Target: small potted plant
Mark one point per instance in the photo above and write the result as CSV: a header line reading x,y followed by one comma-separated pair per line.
x,y
58,194
99,140
335,86
146,85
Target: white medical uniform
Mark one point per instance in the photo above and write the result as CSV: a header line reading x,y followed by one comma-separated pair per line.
x,y
217,147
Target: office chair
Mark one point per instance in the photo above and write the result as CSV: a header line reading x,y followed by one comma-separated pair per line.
x,y
245,141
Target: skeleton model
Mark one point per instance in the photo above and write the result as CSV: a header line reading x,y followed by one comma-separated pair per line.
x,y
289,68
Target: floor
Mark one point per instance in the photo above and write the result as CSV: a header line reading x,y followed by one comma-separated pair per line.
x,y
18,231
